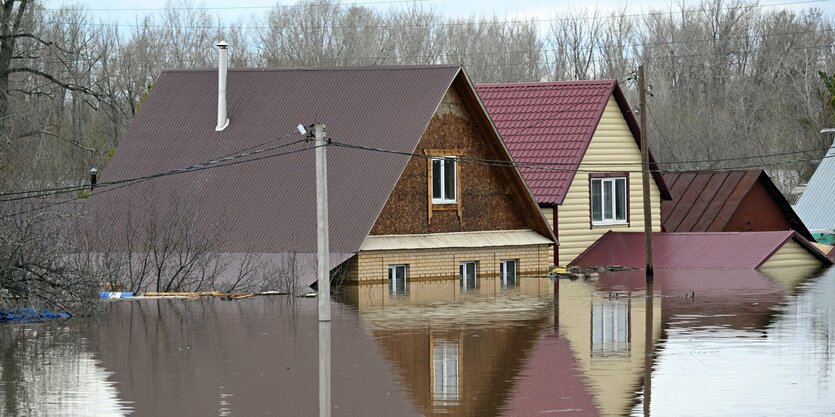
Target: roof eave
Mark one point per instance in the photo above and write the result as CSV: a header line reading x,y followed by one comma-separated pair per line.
x,y
794,220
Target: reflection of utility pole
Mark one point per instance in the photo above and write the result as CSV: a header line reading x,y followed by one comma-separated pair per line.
x,y
324,369
323,271
648,349
642,91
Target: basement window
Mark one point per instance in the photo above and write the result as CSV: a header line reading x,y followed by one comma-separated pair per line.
x,y
468,272
608,201
397,279
444,178
508,270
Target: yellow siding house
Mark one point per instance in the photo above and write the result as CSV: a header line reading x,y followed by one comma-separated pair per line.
x,y
577,145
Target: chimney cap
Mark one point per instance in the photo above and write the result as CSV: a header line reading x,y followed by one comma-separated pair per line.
x,y
222,45
93,170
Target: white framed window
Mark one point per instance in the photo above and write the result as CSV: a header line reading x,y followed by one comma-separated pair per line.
x,y
468,271
508,271
610,327
446,382
444,180
608,201
397,279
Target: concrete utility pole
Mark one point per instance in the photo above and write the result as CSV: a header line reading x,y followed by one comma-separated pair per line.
x,y
323,270
642,87
323,246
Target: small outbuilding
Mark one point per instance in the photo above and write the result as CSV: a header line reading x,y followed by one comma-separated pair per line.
x,y
727,201
706,251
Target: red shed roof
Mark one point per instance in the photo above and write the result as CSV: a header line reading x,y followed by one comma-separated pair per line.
x,y
705,201
719,250
553,123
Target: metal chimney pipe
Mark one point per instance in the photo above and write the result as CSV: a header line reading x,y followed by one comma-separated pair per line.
x,y
222,120
93,172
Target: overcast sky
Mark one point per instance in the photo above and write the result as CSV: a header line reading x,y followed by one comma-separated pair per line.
x,y
126,11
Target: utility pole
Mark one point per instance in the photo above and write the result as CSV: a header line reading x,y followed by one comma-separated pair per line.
x,y
323,270
323,249
642,87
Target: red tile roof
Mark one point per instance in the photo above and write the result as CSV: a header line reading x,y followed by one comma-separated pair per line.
x,y
553,123
719,250
705,201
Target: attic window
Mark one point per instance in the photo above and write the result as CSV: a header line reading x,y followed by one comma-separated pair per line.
x,y
444,178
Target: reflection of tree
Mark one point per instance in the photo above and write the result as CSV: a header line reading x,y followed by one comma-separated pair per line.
x,y
168,249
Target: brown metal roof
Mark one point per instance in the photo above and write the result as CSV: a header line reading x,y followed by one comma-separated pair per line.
x,y
717,250
704,201
268,206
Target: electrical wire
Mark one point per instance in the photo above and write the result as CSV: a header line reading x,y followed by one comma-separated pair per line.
x,y
460,23
134,181
214,162
552,166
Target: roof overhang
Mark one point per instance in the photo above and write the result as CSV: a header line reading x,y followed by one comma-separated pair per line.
x,y
455,240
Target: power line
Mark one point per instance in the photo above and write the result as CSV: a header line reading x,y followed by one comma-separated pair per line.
x,y
684,10
548,166
134,181
274,6
225,162
214,162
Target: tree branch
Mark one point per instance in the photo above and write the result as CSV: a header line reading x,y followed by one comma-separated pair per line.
x,y
67,86
35,38
70,141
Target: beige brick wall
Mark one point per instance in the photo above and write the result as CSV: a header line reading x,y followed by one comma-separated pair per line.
x,y
440,264
422,293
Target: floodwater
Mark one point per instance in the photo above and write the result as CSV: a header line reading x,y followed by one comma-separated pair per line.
x,y
704,343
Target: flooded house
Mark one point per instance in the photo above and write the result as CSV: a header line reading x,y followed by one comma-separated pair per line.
x,y
727,201
816,206
577,143
421,186
783,252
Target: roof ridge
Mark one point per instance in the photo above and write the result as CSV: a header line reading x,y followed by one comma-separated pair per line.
x,y
334,68
543,84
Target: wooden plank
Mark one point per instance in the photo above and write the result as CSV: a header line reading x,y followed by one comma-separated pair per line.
x,y
429,188
458,195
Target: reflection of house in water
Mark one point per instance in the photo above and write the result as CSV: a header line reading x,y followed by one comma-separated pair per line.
x,y
458,352
607,334
603,346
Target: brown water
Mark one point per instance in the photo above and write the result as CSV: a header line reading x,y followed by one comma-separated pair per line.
x,y
747,344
